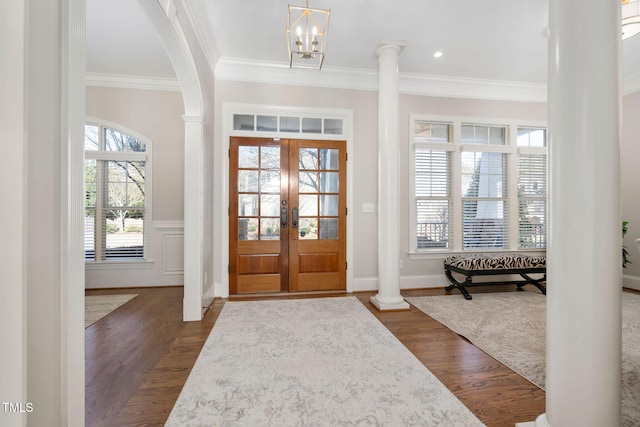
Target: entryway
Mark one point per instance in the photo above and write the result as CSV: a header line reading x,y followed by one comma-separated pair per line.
x,y
287,215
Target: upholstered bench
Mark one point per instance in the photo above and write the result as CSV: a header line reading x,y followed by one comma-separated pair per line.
x,y
491,265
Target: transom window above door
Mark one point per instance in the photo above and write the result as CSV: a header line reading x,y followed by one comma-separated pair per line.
x,y
287,124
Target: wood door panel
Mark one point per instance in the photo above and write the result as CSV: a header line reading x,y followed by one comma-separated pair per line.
x,y
259,264
256,283
318,262
320,281
265,247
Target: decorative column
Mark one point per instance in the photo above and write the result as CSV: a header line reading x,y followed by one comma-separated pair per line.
x,y
193,218
584,251
388,297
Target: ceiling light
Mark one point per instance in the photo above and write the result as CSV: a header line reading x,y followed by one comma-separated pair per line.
x,y
437,54
306,36
630,18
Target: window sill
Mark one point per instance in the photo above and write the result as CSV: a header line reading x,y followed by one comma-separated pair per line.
x,y
440,255
118,265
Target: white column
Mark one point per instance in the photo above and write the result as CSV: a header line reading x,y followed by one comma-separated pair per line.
x,y
584,252
193,218
388,297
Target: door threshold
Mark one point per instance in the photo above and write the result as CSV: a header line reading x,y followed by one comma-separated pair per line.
x,y
287,295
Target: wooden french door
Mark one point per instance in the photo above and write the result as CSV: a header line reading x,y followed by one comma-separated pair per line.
x,y
287,215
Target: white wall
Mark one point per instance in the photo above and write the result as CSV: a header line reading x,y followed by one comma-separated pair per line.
x,y
422,273
630,185
43,338
158,116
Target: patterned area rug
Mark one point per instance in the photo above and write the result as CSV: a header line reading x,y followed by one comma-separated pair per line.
x,y
510,327
98,306
311,362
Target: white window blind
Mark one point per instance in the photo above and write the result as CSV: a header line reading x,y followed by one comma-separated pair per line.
x,y
115,182
432,197
532,200
477,186
485,205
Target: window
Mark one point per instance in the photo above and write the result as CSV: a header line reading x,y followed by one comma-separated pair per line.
x,y
532,189
477,186
116,169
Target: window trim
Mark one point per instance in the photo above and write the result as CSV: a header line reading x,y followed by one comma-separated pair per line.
x,y
147,157
456,146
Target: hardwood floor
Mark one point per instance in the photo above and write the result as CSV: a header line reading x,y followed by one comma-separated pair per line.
x,y
138,358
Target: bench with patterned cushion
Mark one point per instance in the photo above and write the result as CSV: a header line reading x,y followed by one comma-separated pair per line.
x,y
490,265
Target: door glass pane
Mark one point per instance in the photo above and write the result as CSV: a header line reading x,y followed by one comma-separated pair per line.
x,y
308,229
242,122
308,205
269,228
310,125
248,181
270,157
290,124
269,205
328,228
329,182
328,205
333,126
308,182
267,123
247,205
308,159
247,157
247,228
270,181
329,159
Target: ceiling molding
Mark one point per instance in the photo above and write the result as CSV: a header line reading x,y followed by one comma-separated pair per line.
x,y
132,82
197,15
344,78
360,79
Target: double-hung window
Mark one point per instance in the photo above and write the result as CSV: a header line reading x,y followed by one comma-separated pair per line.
x,y
477,185
116,169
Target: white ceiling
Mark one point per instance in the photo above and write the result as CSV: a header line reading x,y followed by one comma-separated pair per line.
x,y
491,39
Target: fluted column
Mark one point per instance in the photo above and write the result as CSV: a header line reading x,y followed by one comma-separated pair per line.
x,y
388,296
584,251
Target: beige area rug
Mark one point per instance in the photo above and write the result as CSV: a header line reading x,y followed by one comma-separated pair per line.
x,y
311,362
98,306
510,327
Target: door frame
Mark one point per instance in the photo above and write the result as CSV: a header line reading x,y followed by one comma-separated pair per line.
x,y
221,179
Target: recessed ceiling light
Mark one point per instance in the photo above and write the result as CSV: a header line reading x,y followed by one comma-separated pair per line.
x,y
437,54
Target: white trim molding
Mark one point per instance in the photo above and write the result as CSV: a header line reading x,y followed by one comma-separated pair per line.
x,y
221,230
170,84
364,79
631,282
406,282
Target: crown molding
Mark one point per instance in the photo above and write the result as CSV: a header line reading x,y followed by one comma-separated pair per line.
x,y
132,82
365,79
346,78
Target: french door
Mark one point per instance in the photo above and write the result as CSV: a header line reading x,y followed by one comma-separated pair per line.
x,y
287,215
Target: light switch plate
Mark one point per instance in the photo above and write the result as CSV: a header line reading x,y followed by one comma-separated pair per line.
x,y
368,208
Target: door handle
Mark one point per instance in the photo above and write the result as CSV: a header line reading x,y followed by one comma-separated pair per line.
x,y
283,216
294,217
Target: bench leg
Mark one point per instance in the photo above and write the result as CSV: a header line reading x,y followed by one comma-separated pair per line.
x,y
535,282
458,285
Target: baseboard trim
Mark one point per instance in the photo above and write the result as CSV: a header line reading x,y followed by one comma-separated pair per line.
x,y
363,284
631,282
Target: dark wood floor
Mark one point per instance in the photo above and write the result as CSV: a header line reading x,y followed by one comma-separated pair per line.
x,y
138,358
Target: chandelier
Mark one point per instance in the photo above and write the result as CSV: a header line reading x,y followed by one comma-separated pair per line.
x,y
306,36
630,18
